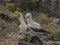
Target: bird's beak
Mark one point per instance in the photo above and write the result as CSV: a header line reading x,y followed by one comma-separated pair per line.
x,y
25,19
17,15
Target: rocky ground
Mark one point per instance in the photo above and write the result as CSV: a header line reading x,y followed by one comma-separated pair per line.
x,y
41,39
9,33
10,36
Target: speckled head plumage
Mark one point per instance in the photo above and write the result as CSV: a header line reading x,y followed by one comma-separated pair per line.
x,y
29,16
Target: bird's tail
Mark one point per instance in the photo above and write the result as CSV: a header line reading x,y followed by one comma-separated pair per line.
x,y
44,31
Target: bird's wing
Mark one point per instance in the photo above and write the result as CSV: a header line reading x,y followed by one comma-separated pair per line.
x,y
19,27
34,25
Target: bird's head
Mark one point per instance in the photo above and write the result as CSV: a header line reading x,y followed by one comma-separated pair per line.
x,y
19,14
28,16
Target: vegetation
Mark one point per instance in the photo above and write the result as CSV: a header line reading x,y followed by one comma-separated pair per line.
x,y
10,6
32,5
45,16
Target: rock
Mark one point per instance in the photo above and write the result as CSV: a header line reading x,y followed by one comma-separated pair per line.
x,y
55,22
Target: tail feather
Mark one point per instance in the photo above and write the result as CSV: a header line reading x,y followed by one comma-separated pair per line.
x,y
40,30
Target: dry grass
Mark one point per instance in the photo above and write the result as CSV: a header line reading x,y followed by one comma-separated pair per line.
x,y
12,28
10,40
44,21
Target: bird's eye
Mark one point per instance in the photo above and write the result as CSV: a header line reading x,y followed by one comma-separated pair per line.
x,y
27,16
18,14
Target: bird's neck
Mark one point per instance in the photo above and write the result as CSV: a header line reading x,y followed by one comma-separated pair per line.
x,y
29,20
22,21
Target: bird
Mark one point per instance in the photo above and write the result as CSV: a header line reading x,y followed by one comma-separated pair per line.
x,y
23,33
22,26
33,25
25,28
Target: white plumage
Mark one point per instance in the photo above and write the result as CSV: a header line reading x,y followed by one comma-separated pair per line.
x,y
22,26
32,23
19,27
25,28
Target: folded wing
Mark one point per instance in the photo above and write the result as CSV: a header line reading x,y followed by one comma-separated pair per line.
x,y
35,25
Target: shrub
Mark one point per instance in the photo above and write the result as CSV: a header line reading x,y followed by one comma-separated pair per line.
x,y
32,4
10,6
